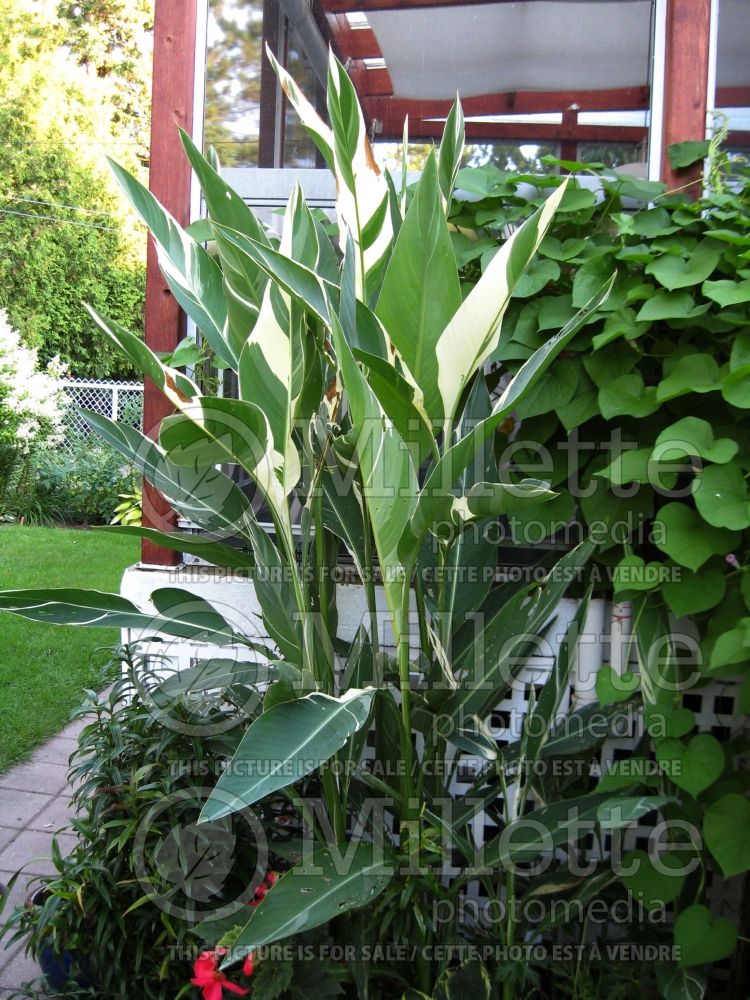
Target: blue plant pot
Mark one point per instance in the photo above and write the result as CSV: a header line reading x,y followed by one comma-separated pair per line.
x,y
58,969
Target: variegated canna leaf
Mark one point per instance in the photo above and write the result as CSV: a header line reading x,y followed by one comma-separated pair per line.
x,y
192,274
451,150
178,388
244,281
474,331
388,474
421,291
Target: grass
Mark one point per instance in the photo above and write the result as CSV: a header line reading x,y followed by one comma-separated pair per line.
x,y
45,668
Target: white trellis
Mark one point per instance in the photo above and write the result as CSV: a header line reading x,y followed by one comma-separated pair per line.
x,y
118,400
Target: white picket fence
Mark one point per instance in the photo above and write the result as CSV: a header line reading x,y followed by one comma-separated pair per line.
x,y
115,399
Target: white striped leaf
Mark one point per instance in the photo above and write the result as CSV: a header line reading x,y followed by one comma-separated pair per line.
x,y
389,479
421,291
192,274
474,331
310,895
94,609
177,387
284,744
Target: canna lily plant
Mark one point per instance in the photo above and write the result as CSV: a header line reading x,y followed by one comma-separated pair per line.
x,y
364,422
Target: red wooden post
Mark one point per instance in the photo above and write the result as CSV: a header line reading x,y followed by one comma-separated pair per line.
x,y
685,83
169,179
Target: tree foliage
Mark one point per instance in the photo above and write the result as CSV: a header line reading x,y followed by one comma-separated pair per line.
x,y
73,81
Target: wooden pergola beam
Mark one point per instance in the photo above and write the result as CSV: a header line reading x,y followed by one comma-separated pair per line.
x,y
518,131
169,181
345,7
512,102
685,83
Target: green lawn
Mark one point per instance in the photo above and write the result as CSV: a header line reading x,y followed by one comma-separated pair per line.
x,y
44,668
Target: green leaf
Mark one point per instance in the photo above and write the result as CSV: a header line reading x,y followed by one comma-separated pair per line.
x,y
561,250
420,292
627,396
654,882
94,609
720,494
539,721
692,593
736,387
451,150
676,983
627,773
205,496
684,154
694,767
474,331
213,431
673,271
399,399
470,979
685,537
666,720
292,277
590,276
693,436
313,894
564,821
176,387
283,745
619,811
703,938
691,373
490,664
245,282
612,688
388,474
538,274
191,272
275,593
215,674
730,647
725,826
666,305
651,222
727,293
216,553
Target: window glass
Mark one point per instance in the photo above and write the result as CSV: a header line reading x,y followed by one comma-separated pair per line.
x,y
535,78
732,97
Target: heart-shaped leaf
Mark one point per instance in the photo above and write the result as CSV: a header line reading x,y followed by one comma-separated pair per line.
x,y
681,533
690,593
632,573
693,436
679,272
694,767
703,938
612,687
668,720
721,497
692,373
730,647
725,828
654,882
627,396
727,293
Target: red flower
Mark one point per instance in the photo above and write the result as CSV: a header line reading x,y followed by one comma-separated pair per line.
x,y
207,976
247,966
270,880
